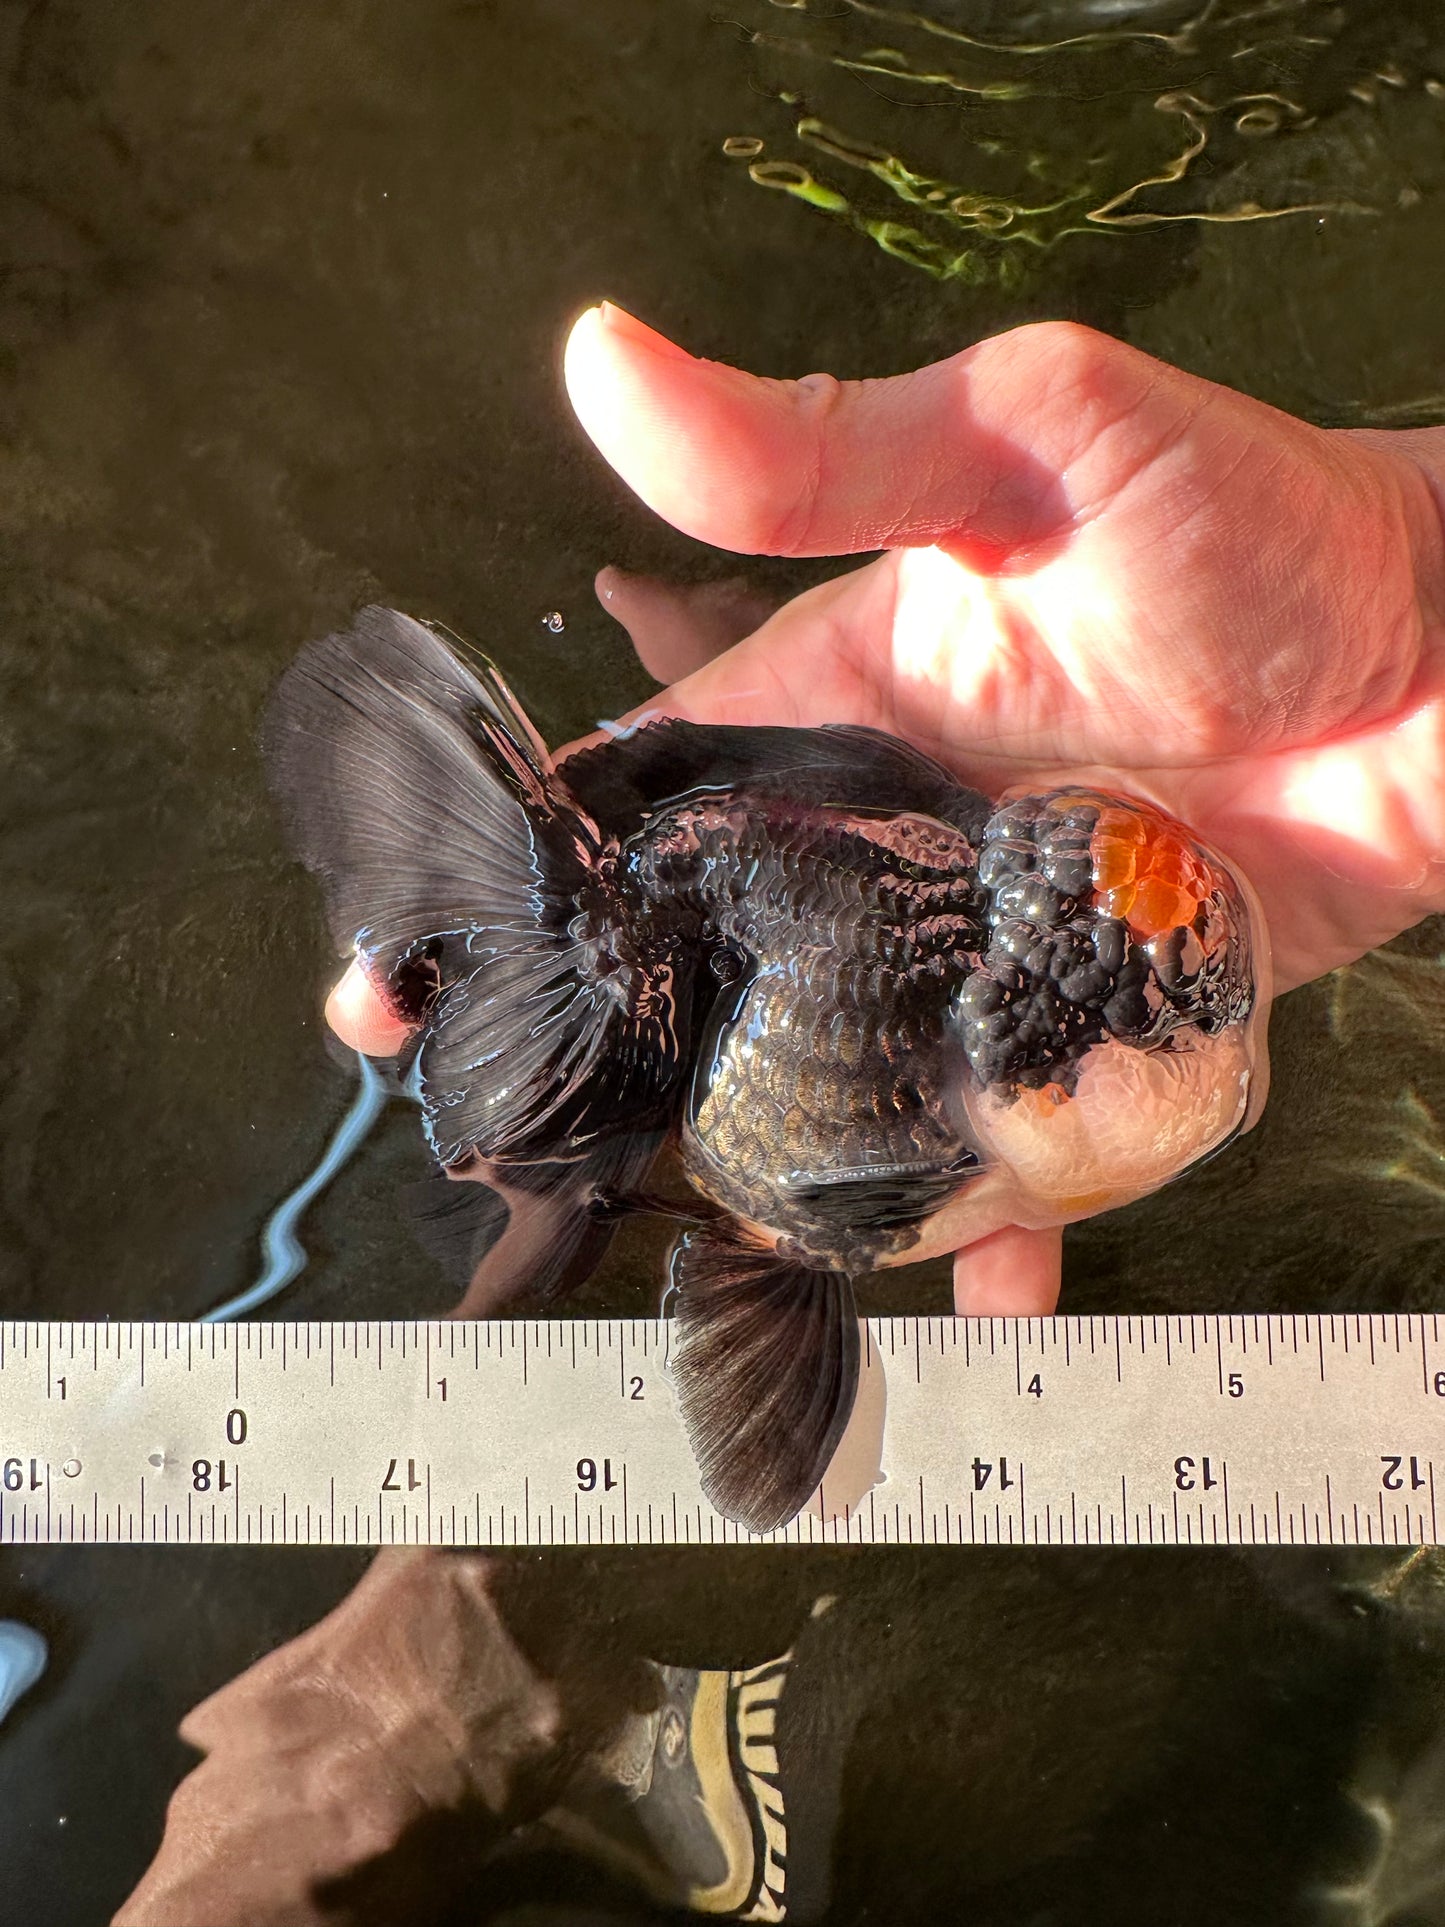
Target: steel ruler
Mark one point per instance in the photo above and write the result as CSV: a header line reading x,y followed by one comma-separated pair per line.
x,y
1055,1431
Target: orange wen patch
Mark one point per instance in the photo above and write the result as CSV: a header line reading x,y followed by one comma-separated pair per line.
x,y
1145,872
1044,1100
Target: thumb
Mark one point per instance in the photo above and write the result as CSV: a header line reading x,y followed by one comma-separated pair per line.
x,y
970,453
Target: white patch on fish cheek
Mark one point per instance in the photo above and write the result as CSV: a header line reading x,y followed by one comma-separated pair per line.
x,y
1138,1118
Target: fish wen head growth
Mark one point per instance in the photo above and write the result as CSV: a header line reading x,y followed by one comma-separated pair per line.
x,y
1115,1025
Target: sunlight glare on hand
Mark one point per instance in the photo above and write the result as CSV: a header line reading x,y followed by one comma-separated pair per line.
x,y
1379,794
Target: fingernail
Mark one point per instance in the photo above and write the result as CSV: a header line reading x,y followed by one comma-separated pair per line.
x,y
620,322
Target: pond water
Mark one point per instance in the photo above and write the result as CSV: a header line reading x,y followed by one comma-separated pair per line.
x,y
284,294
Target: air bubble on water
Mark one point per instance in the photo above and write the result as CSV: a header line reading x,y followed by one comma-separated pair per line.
x,y
554,621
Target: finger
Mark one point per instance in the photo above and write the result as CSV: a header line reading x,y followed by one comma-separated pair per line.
x,y
808,664
356,1012
971,452
800,667
818,661
1012,1273
677,628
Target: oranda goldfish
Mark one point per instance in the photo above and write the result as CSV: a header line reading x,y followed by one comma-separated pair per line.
x,y
879,1014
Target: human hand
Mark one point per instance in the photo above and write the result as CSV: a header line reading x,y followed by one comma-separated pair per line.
x,y
1096,564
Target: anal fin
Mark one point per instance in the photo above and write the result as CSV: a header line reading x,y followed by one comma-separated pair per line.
x,y
765,1358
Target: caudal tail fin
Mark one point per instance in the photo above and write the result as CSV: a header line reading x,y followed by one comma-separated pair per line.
x,y
459,869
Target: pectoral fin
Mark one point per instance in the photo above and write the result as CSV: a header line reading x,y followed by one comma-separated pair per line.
x,y
765,1366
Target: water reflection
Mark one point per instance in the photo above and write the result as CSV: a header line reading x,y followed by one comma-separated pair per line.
x,y
285,1257
1145,125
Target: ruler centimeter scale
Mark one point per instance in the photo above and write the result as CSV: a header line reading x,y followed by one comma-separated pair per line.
x,y
1244,1430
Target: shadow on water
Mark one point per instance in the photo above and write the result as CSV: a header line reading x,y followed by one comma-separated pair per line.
x,y
281,299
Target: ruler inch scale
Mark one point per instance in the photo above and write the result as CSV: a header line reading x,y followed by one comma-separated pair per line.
x,y
1250,1429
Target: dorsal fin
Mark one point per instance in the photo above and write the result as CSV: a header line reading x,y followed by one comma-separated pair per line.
x,y
843,765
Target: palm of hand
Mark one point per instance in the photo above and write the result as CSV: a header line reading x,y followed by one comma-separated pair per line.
x,y
1095,562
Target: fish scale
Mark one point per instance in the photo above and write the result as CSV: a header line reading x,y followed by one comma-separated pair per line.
x,y
820,1093
762,872
802,1078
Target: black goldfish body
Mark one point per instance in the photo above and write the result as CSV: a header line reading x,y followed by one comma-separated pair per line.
x,y
881,1015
